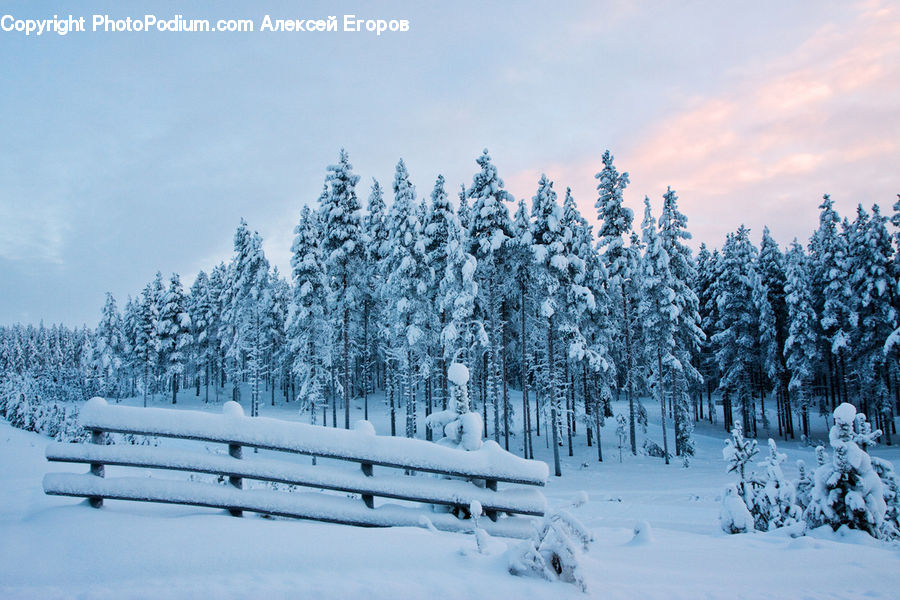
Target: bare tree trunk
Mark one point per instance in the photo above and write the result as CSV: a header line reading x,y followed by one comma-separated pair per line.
x,y
587,403
505,404
628,387
526,417
346,395
570,404
551,386
662,404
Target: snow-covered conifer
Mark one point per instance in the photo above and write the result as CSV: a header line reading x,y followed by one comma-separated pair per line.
x,y
800,346
343,249
658,313
847,491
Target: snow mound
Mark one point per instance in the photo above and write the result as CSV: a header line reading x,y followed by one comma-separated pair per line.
x,y
458,374
95,402
643,534
232,409
845,414
364,427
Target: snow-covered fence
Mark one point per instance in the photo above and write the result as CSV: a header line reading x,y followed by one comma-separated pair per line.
x,y
476,473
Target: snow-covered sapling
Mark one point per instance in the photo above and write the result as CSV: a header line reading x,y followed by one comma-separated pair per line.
x,y
734,516
775,503
555,549
621,435
481,536
738,452
848,491
890,527
804,485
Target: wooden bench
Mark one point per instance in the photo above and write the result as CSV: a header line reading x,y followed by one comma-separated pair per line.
x,y
475,475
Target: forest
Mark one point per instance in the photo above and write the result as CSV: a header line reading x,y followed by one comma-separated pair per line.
x,y
444,306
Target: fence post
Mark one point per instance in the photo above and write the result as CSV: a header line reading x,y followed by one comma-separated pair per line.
x,y
236,451
491,484
97,469
368,498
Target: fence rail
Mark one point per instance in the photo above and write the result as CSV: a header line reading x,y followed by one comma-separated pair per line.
x,y
475,473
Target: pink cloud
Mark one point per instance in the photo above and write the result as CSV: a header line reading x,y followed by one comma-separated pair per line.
x,y
822,118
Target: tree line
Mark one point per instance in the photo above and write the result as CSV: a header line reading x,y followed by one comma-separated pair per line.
x,y
394,298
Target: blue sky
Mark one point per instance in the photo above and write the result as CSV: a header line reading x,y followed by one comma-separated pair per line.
x,y
129,153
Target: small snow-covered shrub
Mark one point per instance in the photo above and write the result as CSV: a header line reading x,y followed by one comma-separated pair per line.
x,y
621,434
462,429
848,491
24,404
890,527
653,449
555,550
734,517
804,485
738,453
775,502
767,496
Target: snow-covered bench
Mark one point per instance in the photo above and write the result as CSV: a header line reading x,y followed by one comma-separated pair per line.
x,y
476,473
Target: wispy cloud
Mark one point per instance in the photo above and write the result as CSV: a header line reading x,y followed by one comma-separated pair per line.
x,y
31,232
822,118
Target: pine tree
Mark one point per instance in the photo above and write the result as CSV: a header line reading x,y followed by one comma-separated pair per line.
x,y
873,314
658,313
462,332
489,230
376,250
775,504
800,346
521,258
435,231
687,334
552,265
616,221
147,343
706,289
308,326
406,289
175,332
736,328
848,491
110,345
342,246
594,322
770,267
769,357
831,295
249,299
200,309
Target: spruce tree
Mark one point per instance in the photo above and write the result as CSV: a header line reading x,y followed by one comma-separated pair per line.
x,y
551,263
376,237
615,225
658,313
309,329
736,328
688,334
342,247
800,346
489,230
175,334
111,346
770,266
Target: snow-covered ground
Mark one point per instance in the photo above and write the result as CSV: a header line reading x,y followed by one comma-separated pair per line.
x,y
52,547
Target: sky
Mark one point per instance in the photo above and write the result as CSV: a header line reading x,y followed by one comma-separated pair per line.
x,y
128,153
